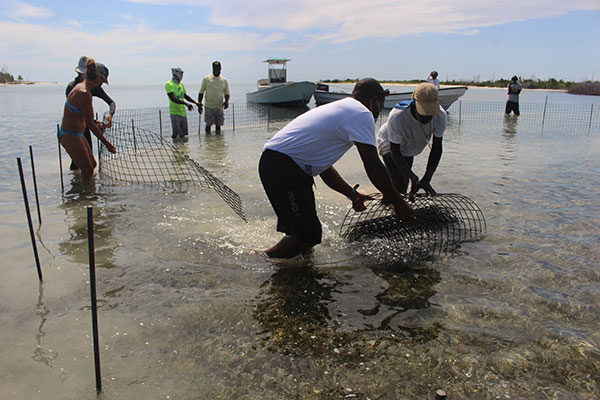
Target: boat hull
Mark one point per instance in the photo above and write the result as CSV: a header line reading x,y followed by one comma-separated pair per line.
x,y
289,94
447,96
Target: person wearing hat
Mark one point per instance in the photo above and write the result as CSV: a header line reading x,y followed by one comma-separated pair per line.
x,y
97,91
78,115
514,89
432,78
409,129
309,146
177,105
216,88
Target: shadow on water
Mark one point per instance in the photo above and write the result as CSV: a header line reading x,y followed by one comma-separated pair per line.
x,y
75,202
341,316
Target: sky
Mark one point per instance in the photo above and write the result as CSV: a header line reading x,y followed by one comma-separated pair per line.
x,y
140,40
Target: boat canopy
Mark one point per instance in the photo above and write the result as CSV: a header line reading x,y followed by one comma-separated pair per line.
x,y
277,74
277,60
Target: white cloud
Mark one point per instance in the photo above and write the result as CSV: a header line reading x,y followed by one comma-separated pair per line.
x,y
19,10
347,20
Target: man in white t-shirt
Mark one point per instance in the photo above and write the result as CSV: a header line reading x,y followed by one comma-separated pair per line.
x,y
309,146
432,78
408,130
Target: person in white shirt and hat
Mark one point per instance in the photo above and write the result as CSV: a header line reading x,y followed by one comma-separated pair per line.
x,y
409,129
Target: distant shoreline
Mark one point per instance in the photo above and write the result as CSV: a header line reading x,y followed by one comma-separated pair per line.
x,y
25,83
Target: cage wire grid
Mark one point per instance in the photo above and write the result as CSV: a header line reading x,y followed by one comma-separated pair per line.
x,y
144,157
443,222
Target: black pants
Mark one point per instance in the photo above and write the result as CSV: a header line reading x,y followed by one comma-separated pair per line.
x,y
290,192
512,106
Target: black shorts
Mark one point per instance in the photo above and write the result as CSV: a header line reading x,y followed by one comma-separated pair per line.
x,y
290,192
512,106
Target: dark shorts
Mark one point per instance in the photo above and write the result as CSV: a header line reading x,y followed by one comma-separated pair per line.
x,y
512,106
396,174
290,191
179,125
214,116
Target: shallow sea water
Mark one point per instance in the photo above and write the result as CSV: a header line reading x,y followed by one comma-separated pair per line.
x,y
188,310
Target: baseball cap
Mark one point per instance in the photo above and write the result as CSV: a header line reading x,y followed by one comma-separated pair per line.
x,y
216,64
80,68
176,69
103,71
426,99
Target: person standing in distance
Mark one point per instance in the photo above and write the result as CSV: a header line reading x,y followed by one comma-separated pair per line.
x,y
216,88
309,146
177,96
514,89
432,78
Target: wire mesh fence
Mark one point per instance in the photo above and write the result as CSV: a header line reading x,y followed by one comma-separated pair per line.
x,y
574,118
144,157
443,222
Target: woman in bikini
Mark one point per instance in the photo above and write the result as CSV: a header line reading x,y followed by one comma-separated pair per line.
x,y
78,114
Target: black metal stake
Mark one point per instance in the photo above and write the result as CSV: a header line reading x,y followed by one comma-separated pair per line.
x,y
233,115
62,183
28,212
160,124
90,221
133,132
37,199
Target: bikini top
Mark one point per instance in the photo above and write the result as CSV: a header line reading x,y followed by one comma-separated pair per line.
x,y
76,110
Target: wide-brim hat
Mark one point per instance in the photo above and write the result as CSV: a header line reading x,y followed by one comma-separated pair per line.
x,y
80,68
426,99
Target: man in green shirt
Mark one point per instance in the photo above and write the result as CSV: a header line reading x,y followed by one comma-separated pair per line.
x,y
177,96
216,87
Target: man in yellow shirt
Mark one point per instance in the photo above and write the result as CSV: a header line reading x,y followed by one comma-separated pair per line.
x,y
216,88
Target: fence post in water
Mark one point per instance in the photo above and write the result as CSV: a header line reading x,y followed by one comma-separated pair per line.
x,y
90,222
37,198
28,212
62,184
160,123
459,112
133,132
544,113
269,117
591,114
233,115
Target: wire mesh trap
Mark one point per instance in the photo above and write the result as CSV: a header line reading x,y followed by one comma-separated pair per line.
x,y
144,157
443,222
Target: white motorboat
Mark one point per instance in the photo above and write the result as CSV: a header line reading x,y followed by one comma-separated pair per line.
x,y
276,90
447,96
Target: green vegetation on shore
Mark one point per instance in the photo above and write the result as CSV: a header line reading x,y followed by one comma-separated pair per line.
x,y
6,77
587,87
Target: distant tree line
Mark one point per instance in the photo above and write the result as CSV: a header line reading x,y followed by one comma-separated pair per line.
x,y
587,87
6,77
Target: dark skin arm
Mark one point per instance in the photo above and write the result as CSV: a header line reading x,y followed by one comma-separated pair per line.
x,y
335,181
433,161
401,163
185,96
379,177
435,156
201,96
